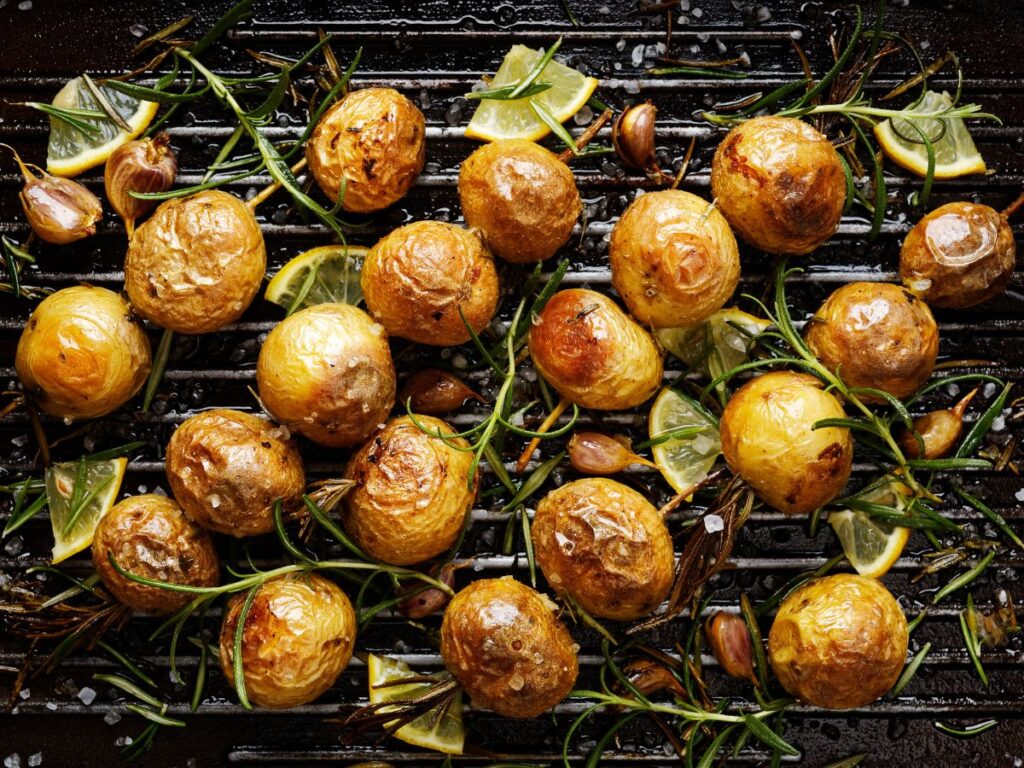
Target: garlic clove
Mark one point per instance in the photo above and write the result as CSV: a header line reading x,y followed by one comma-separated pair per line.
x,y
433,392
730,641
594,453
633,136
939,431
147,165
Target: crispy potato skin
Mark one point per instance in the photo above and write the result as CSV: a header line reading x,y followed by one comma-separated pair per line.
x,y
605,546
876,335
593,353
416,279
674,259
374,141
151,536
226,468
326,372
298,637
411,493
197,263
520,198
82,353
959,255
839,641
502,641
780,184
768,440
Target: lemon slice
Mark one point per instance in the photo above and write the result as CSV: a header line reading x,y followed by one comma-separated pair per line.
x,y
684,462
495,119
955,153
447,735
871,546
328,274
71,151
79,494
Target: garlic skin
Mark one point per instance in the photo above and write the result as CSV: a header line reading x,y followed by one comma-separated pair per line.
x,y
148,165
59,210
633,136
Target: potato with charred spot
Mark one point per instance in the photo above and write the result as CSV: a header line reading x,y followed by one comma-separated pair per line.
x,y
839,642
780,184
150,536
371,145
876,335
508,650
520,198
227,468
82,354
412,491
674,259
768,439
593,353
297,639
197,263
326,373
605,546
416,280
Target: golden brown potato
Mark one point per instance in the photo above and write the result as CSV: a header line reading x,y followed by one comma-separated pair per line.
x,y
509,651
605,546
768,439
412,492
520,198
416,279
197,263
82,353
780,184
227,468
876,335
373,142
298,637
839,641
674,259
326,372
593,353
150,536
959,255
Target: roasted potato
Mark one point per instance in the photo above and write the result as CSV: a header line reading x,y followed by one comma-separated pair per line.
x,y
593,353
674,259
150,536
197,263
876,335
839,641
298,637
326,372
227,468
780,184
768,439
416,279
372,144
605,546
519,198
508,650
412,491
959,255
82,353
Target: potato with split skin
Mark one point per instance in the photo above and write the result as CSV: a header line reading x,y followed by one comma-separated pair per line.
x,y
227,468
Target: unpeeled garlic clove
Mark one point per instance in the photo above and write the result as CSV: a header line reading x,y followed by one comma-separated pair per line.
x,y
633,136
939,431
729,639
421,603
594,453
148,165
434,392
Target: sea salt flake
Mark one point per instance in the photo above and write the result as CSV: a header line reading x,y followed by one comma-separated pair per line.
x,y
87,696
713,523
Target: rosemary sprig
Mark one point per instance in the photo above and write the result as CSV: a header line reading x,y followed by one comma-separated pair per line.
x,y
969,628
911,670
969,731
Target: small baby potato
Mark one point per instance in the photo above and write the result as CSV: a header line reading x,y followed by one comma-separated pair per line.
x,y
326,372
593,353
412,491
297,639
605,546
150,536
876,335
839,642
197,263
768,439
520,198
82,354
674,259
507,648
373,144
780,184
227,468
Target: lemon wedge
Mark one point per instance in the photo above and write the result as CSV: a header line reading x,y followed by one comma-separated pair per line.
x,y
871,546
79,494
328,274
685,461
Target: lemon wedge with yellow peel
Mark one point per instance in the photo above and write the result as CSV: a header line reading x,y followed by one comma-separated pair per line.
x,y
328,274
684,461
872,546
79,494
